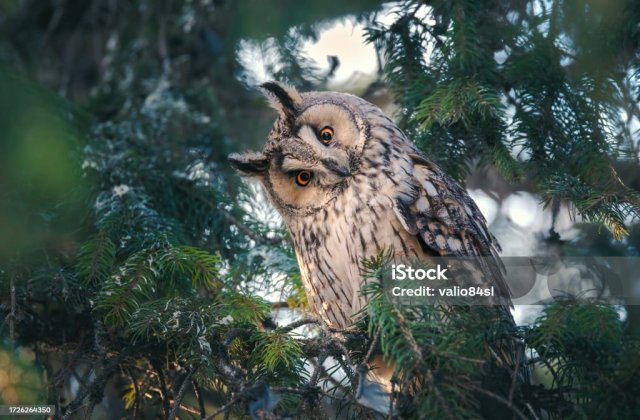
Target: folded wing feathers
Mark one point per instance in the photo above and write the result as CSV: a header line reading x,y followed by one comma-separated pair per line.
x,y
449,222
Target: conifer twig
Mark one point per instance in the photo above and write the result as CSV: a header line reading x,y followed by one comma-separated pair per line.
x,y
248,232
198,392
163,388
180,394
224,408
97,385
503,401
234,221
299,323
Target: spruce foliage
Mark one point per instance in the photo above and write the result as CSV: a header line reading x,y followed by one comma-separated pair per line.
x,y
516,84
137,273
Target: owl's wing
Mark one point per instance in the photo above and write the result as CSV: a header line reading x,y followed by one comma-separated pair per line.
x,y
447,222
439,212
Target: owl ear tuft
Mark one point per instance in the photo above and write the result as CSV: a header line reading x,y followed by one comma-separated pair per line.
x,y
284,99
249,163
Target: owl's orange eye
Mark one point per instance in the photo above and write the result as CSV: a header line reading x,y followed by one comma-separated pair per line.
x,y
326,135
303,178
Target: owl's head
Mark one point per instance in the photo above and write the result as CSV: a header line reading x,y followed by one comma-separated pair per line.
x,y
312,151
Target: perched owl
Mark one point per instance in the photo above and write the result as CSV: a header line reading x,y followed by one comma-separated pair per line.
x,y
349,184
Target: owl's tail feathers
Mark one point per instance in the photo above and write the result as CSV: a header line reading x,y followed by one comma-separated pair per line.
x,y
375,387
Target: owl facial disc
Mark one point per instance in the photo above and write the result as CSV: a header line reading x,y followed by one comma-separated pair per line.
x,y
312,151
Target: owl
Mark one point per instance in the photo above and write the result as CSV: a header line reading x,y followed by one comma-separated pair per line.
x,y
349,184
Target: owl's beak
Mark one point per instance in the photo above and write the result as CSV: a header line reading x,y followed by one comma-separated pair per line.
x,y
336,168
249,163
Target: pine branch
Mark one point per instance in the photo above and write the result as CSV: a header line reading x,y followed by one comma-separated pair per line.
x,y
177,401
166,407
96,387
233,220
198,393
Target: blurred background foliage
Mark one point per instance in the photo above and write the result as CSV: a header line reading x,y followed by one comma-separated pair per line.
x,y
139,276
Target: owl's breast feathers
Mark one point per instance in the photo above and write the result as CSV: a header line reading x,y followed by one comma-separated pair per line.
x,y
410,206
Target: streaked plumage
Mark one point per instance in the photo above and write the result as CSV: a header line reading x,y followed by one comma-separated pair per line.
x,y
371,190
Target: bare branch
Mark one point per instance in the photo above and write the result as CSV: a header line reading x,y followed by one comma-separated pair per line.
x,y
198,392
96,387
183,389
